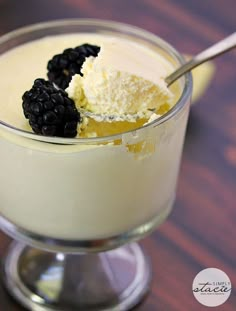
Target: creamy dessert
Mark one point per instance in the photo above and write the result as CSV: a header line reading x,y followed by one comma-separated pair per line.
x,y
122,79
95,188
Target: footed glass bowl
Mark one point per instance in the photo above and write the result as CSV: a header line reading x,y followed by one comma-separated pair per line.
x,y
77,206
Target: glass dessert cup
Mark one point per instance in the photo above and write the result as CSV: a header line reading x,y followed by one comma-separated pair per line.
x,y
77,217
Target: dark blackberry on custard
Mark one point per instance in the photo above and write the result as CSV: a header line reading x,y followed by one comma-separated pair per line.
x,y
50,111
63,66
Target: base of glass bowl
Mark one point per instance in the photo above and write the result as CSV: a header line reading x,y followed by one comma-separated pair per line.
x,y
88,245
44,281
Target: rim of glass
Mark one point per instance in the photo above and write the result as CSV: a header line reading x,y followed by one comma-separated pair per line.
x,y
116,26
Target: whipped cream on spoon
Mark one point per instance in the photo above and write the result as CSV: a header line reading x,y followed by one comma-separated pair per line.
x,y
215,50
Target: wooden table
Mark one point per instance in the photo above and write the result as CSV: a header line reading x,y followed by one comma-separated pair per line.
x,y
201,231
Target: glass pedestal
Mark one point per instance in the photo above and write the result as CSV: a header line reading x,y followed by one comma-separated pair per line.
x,y
46,281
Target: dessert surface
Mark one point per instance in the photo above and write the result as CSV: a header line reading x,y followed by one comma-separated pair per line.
x,y
115,77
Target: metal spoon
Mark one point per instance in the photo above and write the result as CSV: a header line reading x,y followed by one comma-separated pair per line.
x,y
215,50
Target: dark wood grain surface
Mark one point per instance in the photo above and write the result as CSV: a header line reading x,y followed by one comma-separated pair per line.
x,y
201,230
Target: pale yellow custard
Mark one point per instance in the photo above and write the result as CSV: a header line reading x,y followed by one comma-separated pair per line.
x,y
83,191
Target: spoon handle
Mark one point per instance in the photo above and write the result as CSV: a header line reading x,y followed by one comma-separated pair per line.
x,y
217,49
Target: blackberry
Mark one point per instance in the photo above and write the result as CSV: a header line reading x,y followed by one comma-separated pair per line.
x,y
50,111
63,66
